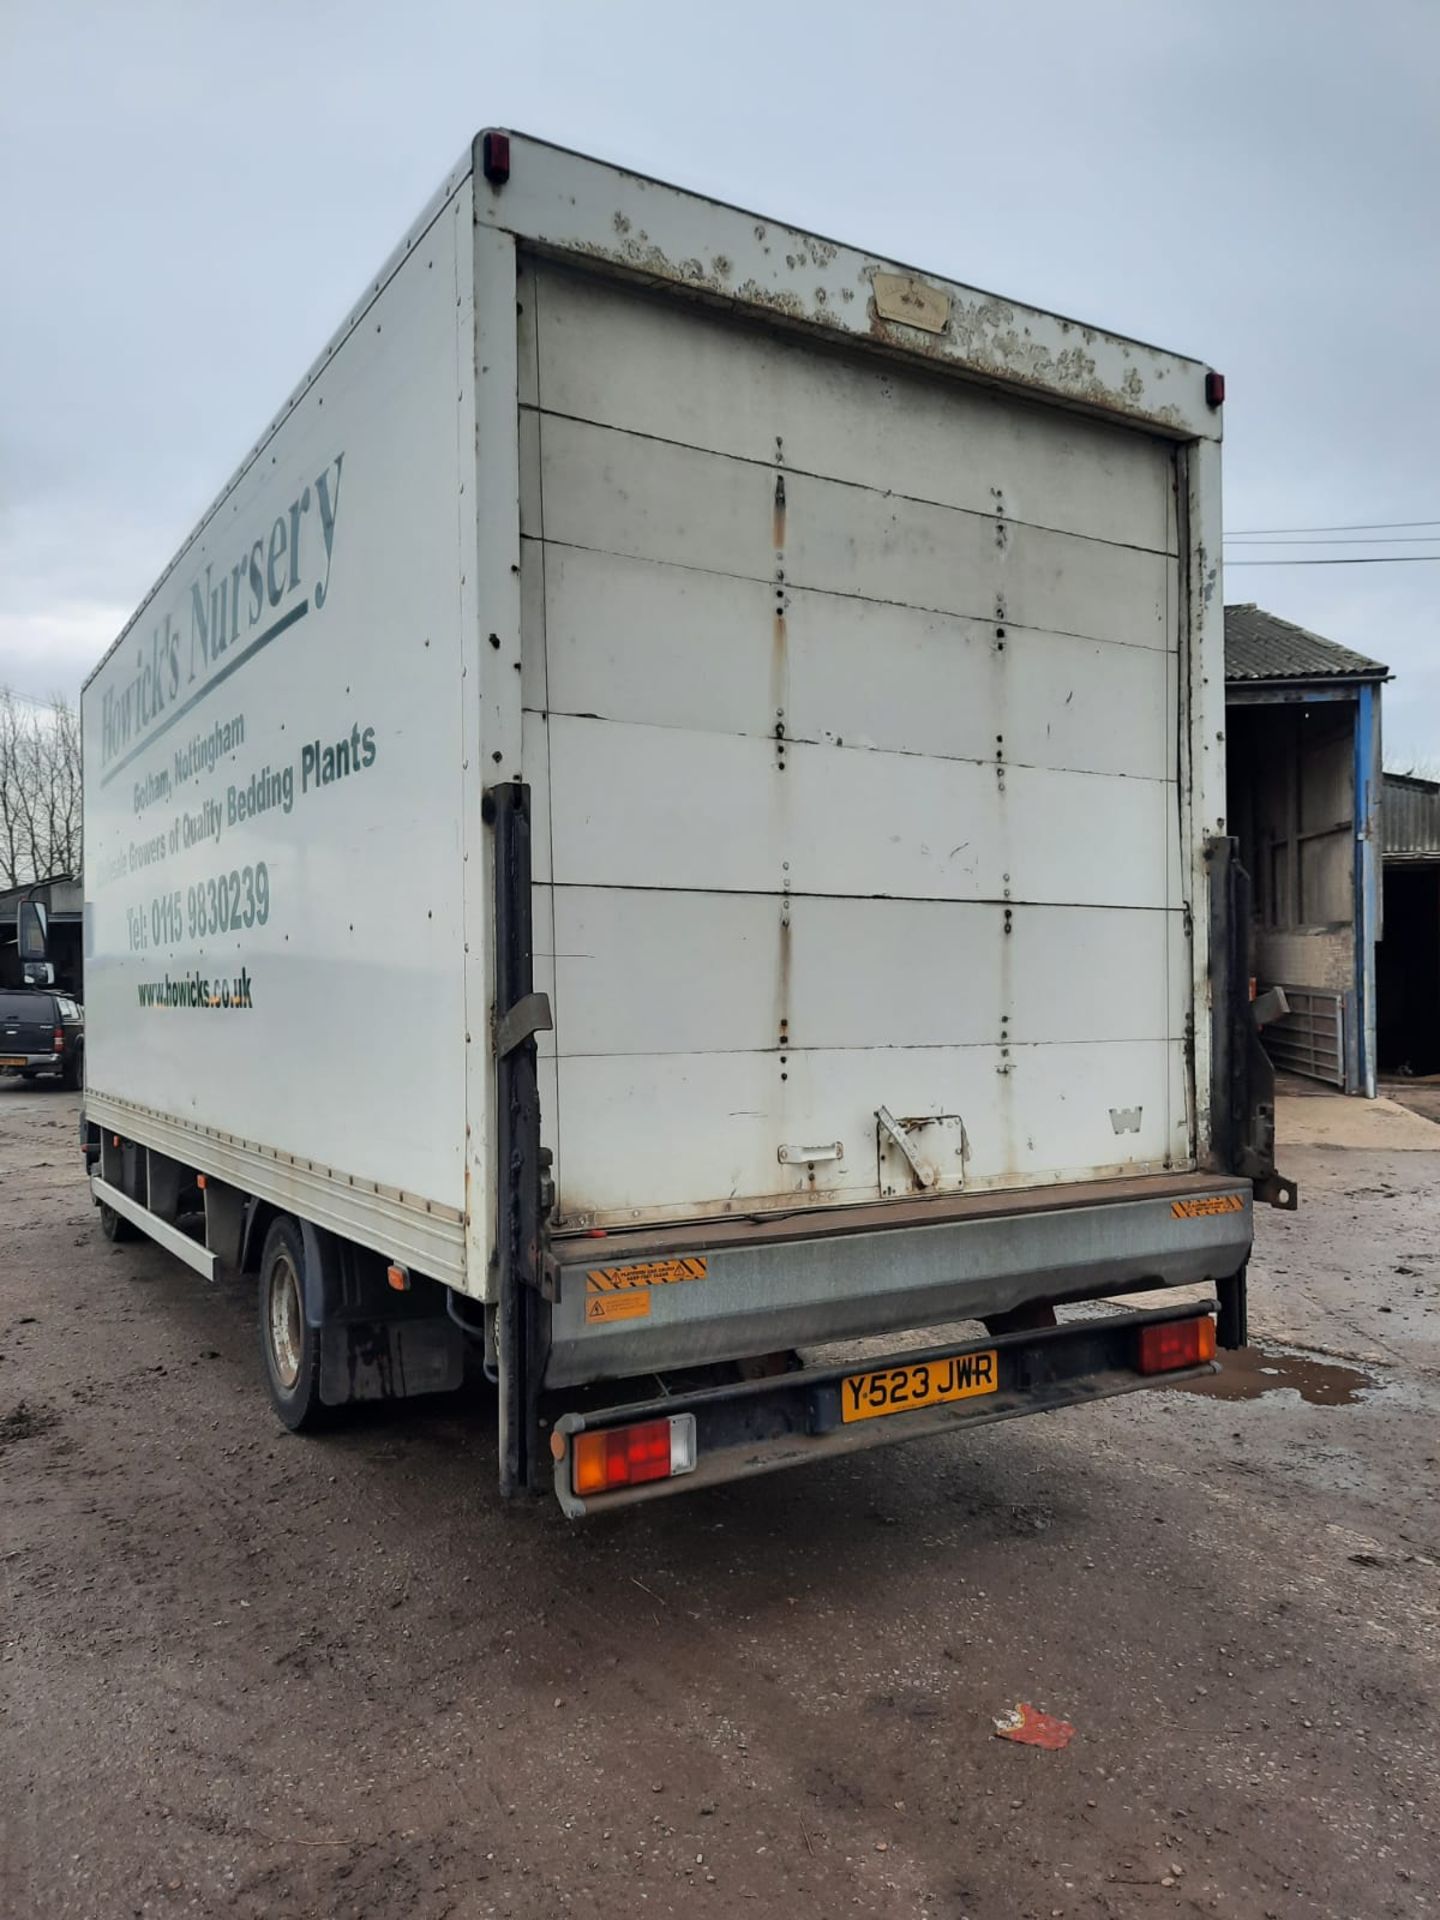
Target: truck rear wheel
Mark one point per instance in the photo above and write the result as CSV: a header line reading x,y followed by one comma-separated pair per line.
x,y
289,1345
115,1226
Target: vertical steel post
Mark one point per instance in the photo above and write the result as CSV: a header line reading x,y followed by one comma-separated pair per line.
x,y
1367,906
522,1319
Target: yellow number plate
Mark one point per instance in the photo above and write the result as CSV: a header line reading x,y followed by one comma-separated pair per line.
x,y
12,1060
865,1396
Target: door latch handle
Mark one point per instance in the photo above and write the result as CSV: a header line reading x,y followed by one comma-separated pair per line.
x,y
802,1156
924,1175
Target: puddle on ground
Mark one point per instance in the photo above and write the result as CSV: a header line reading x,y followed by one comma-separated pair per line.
x,y
1250,1372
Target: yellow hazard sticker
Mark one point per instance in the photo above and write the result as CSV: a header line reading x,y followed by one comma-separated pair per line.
x,y
648,1273
616,1306
1212,1203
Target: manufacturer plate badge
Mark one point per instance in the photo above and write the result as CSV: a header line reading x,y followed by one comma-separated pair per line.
x,y
900,296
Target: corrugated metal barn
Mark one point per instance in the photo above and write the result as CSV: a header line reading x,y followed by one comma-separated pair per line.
x,y
1303,731
1408,967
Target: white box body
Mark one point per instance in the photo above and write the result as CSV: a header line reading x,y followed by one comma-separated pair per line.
x,y
867,677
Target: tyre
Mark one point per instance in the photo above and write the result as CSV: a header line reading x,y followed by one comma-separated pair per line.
x,y
289,1345
115,1226
72,1073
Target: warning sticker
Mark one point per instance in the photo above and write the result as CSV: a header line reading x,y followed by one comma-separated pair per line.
x,y
1212,1203
616,1306
648,1273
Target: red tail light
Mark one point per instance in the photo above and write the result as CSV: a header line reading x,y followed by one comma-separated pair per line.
x,y
59,1039
1176,1344
629,1456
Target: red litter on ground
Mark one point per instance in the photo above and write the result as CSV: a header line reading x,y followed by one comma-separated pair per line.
x,y
1032,1728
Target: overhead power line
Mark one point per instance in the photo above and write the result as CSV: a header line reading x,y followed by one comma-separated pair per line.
x,y
1355,560
1362,526
1382,540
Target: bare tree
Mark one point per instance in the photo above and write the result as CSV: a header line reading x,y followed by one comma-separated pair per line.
x,y
39,789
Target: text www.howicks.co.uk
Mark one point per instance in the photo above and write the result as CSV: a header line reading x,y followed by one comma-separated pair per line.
x,y
194,990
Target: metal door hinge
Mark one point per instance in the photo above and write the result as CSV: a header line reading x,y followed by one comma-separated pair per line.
x,y
529,1015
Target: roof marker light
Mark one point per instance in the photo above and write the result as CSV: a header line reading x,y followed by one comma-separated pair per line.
x,y
495,157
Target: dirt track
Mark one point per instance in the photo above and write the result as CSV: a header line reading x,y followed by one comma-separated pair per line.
x,y
248,1674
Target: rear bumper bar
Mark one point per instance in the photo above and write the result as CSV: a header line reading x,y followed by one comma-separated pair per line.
x,y
762,1425
817,1280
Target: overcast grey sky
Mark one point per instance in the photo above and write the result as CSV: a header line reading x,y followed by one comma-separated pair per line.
x,y
192,194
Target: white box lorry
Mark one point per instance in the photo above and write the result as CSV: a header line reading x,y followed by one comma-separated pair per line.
x,y
669,817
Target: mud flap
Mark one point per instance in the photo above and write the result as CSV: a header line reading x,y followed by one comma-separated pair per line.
x,y
1232,1326
389,1359
375,1344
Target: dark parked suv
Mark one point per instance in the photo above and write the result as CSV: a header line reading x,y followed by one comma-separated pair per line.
x,y
41,1032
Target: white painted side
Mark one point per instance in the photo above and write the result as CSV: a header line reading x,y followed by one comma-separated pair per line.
x,y
620,493
1201,672
628,1123
350,1062
867,972
855,693
421,1234
619,362
705,812
632,641
490,696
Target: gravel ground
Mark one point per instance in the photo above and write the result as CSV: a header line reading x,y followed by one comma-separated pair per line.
x,y
247,1674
